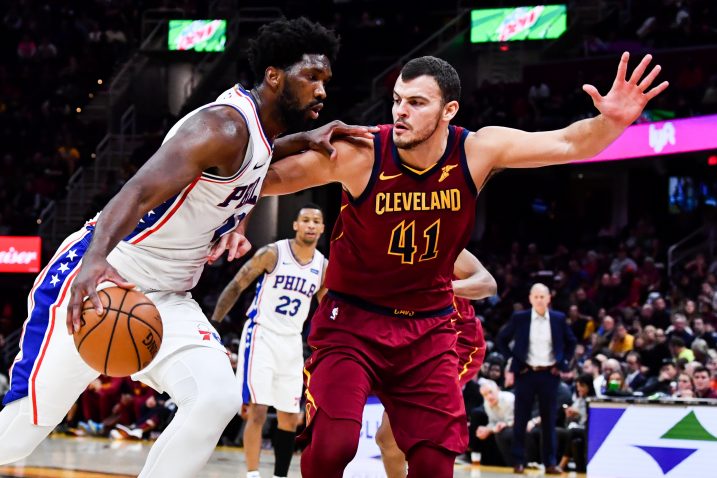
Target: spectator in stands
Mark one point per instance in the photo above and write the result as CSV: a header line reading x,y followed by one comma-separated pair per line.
x,y
621,342
679,350
680,330
635,379
576,417
498,407
685,386
663,384
703,383
700,331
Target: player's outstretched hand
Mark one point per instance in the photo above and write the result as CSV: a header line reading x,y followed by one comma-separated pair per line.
x,y
234,243
92,272
320,138
627,97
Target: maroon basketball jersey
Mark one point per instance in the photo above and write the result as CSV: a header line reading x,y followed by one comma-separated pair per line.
x,y
395,245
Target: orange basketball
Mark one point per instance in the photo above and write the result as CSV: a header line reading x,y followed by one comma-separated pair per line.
x,y
125,338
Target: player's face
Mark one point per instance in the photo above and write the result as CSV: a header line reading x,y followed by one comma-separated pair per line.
x,y
418,109
304,91
309,226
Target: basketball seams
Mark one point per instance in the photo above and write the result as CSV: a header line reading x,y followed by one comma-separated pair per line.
x,y
140,319
112,334
99,354
99,322
131,337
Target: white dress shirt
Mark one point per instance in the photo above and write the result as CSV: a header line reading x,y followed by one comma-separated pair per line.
x,y
540,347
503,411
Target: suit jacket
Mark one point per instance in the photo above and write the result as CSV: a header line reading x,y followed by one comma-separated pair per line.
x,y
518,330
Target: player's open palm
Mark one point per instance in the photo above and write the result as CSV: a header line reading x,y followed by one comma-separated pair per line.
x,y
628,96
92,273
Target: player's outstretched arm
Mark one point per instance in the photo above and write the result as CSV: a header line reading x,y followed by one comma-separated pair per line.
x,y
319,139
213,137
351,168
474,281
619,108
263,261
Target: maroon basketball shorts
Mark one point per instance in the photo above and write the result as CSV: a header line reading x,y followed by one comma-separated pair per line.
x,y
409,363
470,347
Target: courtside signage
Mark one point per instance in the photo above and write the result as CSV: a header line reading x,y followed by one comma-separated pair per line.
x,y
20,253
197,35
651,441
664,137
539,22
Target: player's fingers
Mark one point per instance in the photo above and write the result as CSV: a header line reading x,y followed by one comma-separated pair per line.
x,y
640,69
647,81
593,92
72,311
657,90
96,302
354,130
232,246
113,276
622,68
218,249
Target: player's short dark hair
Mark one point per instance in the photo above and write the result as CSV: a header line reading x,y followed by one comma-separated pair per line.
x,y
309,205
445,75
284,42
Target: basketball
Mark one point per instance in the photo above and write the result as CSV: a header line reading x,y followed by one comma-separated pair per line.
x,y
125,338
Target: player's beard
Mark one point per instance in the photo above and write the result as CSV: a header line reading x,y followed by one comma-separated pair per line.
x,y
295,117
415,141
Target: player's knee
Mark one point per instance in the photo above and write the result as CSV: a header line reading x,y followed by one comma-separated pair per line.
x,y
257,413
223,404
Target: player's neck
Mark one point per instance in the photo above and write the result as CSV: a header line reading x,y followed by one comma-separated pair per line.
x,y
302,251
428,153
267,105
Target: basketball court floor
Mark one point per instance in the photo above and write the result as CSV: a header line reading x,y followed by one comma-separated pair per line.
x,y
69,457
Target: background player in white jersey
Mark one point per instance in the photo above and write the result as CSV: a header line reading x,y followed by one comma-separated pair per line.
x,y
179,211
271,354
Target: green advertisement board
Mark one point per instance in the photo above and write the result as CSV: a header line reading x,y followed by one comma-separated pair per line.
x,y
197,35
540,22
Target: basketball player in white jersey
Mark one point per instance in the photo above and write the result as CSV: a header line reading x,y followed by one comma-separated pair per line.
x,y
271,354
178,212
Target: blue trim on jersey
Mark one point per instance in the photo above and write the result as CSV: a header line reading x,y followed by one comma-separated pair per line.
x,y
254,309
228,226
373,400
245,392
152,217
45,295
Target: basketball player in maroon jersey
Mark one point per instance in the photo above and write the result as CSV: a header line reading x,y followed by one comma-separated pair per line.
x,y
410,197
471,281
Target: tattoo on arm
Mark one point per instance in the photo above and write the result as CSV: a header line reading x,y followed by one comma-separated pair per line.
x,y
263,261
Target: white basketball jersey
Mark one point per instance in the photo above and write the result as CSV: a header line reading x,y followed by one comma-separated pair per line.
x,y
169,247
283,296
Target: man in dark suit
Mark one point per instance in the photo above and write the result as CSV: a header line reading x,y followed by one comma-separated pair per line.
x,y
543,345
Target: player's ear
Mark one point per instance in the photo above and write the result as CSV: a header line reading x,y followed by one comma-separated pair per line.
x,y
450,110
273,77
295,225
